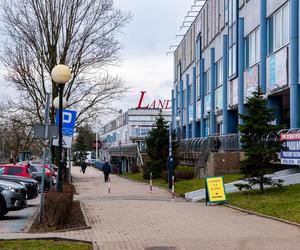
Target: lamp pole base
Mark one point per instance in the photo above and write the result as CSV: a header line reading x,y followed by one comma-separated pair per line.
x,y
59,186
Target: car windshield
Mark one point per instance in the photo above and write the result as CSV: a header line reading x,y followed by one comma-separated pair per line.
x,y
36,168
2,171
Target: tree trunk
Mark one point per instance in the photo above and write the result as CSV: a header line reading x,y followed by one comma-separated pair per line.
x,y
261,185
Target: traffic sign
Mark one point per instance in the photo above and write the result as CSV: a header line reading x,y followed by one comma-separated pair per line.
x,y
69,119
66,142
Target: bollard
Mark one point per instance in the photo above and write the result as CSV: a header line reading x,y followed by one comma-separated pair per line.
x,y
151,182
109,185
173,188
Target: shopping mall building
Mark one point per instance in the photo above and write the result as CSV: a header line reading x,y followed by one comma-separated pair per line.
x,y
230,48
123,138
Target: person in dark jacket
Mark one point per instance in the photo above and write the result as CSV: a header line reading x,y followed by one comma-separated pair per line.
x,y
106,170
83,166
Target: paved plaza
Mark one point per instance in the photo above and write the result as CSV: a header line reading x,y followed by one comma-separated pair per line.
x,y
130,217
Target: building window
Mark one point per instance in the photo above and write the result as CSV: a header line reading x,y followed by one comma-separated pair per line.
x,y
219,73
232,35
219,99
190,94
207,82
184,98
279,28
252,48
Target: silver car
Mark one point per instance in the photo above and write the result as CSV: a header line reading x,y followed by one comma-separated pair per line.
x,y
12,197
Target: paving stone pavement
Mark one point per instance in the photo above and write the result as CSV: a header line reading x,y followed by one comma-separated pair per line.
x,y
130,217
15,221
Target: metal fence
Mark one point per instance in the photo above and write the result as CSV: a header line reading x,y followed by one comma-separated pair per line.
x,y
192,147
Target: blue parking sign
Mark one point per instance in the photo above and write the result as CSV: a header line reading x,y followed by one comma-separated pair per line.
x,y
69,119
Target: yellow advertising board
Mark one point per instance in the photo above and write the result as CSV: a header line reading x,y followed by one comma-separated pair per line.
x,y
215,190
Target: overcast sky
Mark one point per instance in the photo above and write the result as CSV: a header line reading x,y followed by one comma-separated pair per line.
x,y
146,39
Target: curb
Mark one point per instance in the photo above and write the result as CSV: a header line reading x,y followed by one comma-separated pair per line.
x,y
263,215
49,238
30,221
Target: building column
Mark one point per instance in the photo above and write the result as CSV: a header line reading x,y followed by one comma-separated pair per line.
x,y
202,123
212,117
194,103
187,101
241,67
263,45
181,106
294,65
176,108
173,119
225,84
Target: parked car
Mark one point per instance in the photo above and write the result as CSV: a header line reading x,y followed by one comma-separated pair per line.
x,y
37,173
17,170
13,197
30,184
39,162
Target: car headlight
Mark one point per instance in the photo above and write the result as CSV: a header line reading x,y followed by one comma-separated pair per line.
x,y
9,188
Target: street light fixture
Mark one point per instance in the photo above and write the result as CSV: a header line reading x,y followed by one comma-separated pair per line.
x,y
60,74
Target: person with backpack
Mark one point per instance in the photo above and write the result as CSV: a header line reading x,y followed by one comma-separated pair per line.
x,y
83,166
106,170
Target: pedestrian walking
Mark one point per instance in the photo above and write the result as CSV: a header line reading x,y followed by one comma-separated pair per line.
x,y
83,166
106,170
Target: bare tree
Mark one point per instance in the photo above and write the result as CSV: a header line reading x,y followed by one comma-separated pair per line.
x,y
40,34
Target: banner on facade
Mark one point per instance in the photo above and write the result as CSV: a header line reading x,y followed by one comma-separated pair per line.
x,y
277,70
251,81
291,154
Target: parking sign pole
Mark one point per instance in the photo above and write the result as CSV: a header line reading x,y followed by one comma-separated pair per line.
x,y
46,141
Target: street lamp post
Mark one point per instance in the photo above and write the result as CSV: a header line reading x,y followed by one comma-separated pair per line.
x,y
60,74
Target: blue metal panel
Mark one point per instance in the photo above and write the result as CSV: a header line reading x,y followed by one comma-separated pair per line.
x,y
294,65
213,87
181,104
225,83
187,106
202,125
263,44
194,104
241,67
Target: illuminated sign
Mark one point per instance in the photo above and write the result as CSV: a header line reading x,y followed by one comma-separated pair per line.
x,y
215,191
156,104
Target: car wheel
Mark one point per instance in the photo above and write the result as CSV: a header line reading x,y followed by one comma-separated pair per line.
x,y
3,210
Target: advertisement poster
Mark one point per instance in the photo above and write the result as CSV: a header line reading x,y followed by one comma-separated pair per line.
x,y
191,113
291,155
251,79
277,70
215,190
233,92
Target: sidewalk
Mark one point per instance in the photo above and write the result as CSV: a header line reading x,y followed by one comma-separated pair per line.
x,y
131,217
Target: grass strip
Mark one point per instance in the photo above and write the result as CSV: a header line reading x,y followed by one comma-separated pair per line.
x,y
282,203
43,245
183,186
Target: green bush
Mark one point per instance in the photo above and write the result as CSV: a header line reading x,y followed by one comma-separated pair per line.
x,y
135,169
153,167
179,175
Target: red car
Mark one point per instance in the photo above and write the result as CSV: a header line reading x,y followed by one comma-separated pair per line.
x,y
17,170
